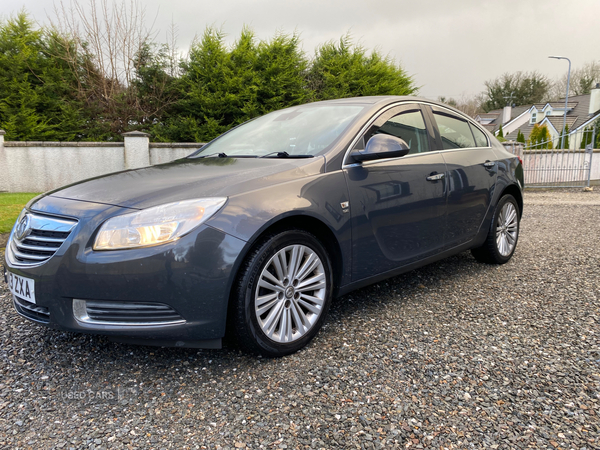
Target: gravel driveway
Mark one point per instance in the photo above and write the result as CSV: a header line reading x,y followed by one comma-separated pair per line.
x,y
454,355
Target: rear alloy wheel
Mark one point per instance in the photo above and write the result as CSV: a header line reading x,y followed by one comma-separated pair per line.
x,y
283,294
503,233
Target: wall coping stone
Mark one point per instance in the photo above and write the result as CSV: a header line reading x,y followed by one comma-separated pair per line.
x,y
135,134
62,144
177,144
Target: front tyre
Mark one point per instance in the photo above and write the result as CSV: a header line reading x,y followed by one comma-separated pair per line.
x,y
282,295
503,234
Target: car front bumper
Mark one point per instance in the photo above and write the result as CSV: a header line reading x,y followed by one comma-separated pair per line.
x,y
175,294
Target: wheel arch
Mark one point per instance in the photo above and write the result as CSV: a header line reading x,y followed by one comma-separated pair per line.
x,y
303,222
514,190
314,226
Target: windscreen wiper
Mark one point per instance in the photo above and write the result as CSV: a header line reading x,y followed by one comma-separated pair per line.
x,y
220,155
284,154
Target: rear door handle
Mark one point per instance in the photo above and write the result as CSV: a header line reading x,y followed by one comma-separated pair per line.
x,y
435,177
489,163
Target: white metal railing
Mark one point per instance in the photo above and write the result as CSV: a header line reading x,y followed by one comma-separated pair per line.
x,y
552,167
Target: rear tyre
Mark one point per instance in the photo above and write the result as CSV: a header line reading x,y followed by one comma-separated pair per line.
x,y
503,234
283,294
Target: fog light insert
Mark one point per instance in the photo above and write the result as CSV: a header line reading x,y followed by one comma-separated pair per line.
x,y
124,313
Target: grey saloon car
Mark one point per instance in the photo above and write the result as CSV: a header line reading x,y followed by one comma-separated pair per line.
x,y
255,233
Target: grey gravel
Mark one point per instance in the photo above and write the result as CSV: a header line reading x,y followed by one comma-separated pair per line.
x,y
454,355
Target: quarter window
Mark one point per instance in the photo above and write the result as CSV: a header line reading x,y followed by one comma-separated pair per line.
x,y
480,138
455,132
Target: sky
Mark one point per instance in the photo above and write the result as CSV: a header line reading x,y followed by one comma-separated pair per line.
x,y
449,47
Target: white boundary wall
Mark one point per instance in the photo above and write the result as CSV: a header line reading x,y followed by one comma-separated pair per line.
x,y
42,166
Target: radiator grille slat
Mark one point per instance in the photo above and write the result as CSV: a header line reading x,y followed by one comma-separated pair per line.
x,y
38,237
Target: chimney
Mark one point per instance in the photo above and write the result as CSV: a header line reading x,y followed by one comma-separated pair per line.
x,y
595,99
506,113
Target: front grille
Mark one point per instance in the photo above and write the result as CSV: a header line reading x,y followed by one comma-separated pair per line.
x,y
124,313
39,239
31,310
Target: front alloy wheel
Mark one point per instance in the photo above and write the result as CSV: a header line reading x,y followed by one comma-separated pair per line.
x,y
283,294
290,294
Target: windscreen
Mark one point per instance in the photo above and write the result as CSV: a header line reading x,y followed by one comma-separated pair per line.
x,y
304,130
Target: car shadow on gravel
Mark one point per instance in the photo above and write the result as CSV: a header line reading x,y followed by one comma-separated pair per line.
x,y
405,287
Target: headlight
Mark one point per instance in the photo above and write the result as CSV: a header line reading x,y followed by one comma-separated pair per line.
x,y
156,225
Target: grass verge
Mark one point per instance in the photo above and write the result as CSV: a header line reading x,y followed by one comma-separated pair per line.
x,y
10,207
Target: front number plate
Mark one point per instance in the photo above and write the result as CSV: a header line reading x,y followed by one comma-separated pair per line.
x,y
22,287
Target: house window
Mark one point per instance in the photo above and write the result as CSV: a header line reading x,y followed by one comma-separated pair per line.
x,y
533,119
549,112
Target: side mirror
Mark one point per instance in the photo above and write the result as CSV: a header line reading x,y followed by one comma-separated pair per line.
x,y
381,146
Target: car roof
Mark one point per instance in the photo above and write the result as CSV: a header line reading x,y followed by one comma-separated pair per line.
x,y
374,103
372,100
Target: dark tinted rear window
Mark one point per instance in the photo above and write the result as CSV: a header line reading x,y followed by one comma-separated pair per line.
x,y
455,132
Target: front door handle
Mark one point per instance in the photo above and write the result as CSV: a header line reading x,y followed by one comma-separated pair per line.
x,y
435,177
489,164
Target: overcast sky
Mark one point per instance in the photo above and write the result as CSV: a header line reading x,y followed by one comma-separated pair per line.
x,y
450,47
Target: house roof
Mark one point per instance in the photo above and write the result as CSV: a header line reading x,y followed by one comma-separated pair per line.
x,y
558,105
525,129
489,115
577,116
496,114
579,112
557,122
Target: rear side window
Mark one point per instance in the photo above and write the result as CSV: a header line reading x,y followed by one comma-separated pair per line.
x,y
410,127
480,138
455,132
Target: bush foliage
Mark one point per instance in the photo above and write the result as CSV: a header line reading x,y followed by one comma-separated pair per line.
x,y
52,87
540,137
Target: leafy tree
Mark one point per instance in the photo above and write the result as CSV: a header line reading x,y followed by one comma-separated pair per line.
x,y
153,85
124,79
218,89
345,70
539,138
520,137
470,105
36,91
500,131
520,88
94,76
583,80
280,68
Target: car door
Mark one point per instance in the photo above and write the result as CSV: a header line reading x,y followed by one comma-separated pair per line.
x,y
397,205
472,172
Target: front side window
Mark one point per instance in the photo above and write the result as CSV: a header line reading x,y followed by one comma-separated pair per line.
x,y
408,126
455,132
